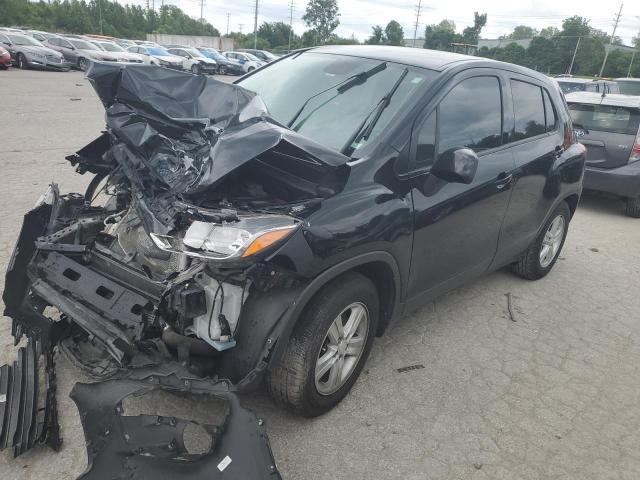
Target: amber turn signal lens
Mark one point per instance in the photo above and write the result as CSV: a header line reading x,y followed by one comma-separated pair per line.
x,y
266,240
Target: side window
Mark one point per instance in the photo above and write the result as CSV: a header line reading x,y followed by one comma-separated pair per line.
x,y
65,44
471,115
528,110
53,41
426,142
551,118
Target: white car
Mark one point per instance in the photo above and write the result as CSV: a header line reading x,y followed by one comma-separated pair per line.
x,y
116,49
246,60
157,56
194,61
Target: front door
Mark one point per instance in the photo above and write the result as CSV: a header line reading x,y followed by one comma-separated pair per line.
x,y
457,226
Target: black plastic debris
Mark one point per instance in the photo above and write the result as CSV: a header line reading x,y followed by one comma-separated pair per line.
x,y
28,415
153,447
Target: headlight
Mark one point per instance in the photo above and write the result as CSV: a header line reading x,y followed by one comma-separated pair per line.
x,y
241,239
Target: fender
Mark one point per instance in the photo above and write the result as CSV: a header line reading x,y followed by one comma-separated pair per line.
x,y
290,318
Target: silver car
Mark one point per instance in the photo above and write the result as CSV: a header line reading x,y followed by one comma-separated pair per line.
x,y
27,52
79,52
117,50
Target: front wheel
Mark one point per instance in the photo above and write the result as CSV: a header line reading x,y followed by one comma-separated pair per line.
x,y
250,69
22,62
328,347
195,69
82,64
222,70
633,207
542,255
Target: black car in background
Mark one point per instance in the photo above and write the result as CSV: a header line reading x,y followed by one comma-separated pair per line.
x,y
609,126
275,235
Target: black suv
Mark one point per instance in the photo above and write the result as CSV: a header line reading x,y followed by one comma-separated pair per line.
x,y
276,226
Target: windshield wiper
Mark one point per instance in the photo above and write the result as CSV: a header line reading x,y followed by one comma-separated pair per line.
x,y
363,132
343,86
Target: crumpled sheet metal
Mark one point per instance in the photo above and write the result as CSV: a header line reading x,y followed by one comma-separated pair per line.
x,y
153,447
189,131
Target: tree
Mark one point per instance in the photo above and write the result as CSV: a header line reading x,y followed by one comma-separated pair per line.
x,y
394,33
472,34
521,32
512,53
322,17
438,37
377,37
549,32
276,34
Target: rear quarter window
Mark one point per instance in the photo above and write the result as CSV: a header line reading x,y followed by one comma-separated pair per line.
x,y
528,109
605,118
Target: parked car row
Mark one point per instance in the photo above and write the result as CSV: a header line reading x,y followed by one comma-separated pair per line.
x,y
51,51
625,86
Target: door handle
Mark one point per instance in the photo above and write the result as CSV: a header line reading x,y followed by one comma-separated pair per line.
x,y
503,180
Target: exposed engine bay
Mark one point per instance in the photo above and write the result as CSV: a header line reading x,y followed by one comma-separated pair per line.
x,y
164,259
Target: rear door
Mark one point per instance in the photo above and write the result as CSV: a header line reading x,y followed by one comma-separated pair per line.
x,y
608,132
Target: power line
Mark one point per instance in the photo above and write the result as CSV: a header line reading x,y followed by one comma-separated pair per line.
x,y
606,50
415,31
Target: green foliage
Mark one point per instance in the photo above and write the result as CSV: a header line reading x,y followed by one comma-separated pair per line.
x,y
553,50
322,17
438,37
392,34
276,34
521,32
472,34
79,16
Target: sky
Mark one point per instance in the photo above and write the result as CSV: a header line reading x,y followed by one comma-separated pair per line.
x,y
358,16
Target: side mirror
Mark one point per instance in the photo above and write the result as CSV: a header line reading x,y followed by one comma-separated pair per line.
x,y
456,165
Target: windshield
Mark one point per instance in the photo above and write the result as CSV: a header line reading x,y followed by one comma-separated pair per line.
x,y
111,47
629,87
23,40
606,118
568,87
216,55
158,52
251,57
332,118
194,52
82,45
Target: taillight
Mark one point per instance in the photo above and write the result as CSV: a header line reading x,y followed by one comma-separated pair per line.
x,y
635,151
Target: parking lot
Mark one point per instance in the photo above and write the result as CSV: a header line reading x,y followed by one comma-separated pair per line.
x,y
550,390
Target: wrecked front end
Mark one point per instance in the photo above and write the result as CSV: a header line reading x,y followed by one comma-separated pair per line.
x,y
173,256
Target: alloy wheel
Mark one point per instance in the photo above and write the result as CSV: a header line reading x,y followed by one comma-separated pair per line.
x,y
552,241
342,348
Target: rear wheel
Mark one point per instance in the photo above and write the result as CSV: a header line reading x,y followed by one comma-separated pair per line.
x,y
542,255
222,70
82,64
250,69
22,62
633,207
328,347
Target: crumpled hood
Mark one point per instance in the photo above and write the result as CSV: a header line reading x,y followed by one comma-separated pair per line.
x,y
182,133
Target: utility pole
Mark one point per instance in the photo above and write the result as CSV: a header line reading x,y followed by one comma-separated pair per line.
x,y
100,13
292,5
633,56
240,27
228,16
574,56
255,27
202,15
415,31
608,47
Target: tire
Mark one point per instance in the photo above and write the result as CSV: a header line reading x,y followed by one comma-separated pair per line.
x,y
195,69
222,70
82,64
531,265
22,62
633,207
293,382
250,69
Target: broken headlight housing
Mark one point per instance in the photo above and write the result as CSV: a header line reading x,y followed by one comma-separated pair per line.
x,y
228,240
